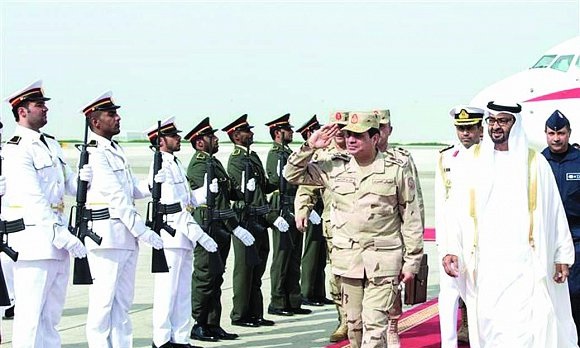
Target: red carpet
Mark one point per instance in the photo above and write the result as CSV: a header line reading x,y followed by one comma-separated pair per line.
x,y
418,328
429,234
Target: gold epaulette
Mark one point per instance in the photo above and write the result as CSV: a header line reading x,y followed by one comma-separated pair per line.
x,y
447,148
14,141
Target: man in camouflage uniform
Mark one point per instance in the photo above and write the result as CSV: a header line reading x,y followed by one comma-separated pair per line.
x,y
376,222
247,173
287,241
385,130
308,207
207,278
312,193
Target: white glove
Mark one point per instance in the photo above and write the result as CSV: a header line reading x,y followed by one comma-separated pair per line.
x,y
281,224
151,238
244,236
63,239
251,185
207,243
86,173
2,185
314,218
161,176
214,187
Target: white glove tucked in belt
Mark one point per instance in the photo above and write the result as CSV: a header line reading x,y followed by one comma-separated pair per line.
x,y
314,218
244,236
281,224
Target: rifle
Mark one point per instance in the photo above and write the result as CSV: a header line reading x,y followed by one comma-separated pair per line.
x,y
252,257
5,228
156,212
82,216
216,265
285,240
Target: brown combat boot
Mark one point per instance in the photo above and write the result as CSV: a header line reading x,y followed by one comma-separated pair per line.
x,y
341,332
463,332
393,334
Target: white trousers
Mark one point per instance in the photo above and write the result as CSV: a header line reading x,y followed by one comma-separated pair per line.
x,y
111,298
8,271
172,299
40,289
448,301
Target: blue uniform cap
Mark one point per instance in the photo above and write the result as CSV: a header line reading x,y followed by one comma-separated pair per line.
x,y
557,121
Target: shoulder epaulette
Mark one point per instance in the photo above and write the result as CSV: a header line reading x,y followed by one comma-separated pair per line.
x,y
48,136
447,148
236,152
276,146
397,158
402,151
92,143
201,156
15,140
341,156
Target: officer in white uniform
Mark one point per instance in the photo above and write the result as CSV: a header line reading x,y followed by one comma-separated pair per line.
x,y
113,263
468,127
37,178
172,299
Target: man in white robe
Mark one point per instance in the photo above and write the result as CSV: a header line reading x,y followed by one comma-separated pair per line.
x,y
509,244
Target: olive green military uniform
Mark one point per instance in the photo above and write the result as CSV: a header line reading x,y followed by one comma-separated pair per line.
x,y
285,268
314,257
376,225
247,280
206,287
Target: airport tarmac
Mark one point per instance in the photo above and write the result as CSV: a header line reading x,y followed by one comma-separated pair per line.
x,y
300,331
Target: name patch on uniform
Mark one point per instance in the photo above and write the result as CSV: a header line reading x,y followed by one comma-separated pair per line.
x,y
572,176
383,181
345,180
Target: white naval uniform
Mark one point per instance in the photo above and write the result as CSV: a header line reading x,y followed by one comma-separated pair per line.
x,y
37,178
172,299
447,164
113,263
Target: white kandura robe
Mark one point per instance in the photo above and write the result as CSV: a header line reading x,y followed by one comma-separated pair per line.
x,y
507,285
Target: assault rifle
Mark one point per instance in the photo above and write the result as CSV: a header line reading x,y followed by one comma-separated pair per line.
x,y
252,257
156,212
82,216
285,240
216,265
7,227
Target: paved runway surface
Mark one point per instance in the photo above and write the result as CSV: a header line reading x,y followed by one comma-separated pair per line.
x,y
297,331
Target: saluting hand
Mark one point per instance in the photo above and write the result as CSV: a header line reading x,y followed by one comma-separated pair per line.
x,y
323,136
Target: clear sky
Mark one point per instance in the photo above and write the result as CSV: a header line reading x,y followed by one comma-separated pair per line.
x,y
223,59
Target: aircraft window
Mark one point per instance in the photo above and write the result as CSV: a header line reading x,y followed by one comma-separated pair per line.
x,y
544,62
562,63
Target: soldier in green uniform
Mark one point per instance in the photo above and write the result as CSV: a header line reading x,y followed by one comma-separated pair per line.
x,y
385,130
206,281
308,207
286,240
247,173
376,223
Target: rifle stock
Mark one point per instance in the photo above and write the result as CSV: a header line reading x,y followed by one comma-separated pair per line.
x,y
156,211
252,257
82,216
216,265
285,240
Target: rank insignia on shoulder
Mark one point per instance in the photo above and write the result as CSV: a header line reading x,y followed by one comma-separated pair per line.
x,y
402,151
391,158
48,136
236,152
200,156
447,148
14,141
92,143
341,156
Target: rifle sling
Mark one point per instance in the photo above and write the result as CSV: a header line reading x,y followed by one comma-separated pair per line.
x,y
258,211
167,209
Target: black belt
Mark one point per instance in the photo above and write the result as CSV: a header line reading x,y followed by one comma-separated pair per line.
x,y
259,211
97,214
168,209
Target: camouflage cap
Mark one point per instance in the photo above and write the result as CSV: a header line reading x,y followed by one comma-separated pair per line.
x,y
339,117
360,122
383,115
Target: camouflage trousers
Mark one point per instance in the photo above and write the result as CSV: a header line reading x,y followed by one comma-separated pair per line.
x,y
367,302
